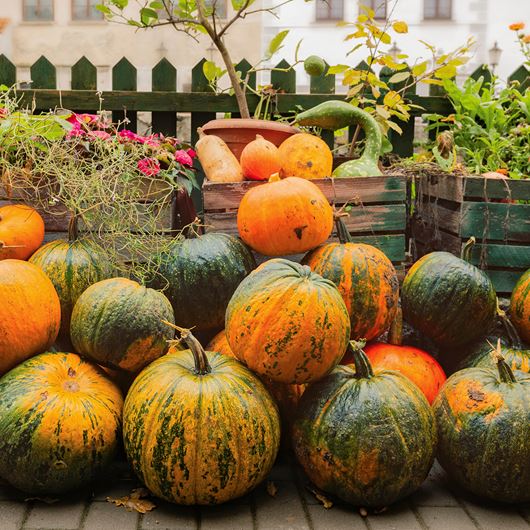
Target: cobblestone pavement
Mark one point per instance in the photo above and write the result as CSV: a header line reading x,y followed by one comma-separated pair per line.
x,y
435,506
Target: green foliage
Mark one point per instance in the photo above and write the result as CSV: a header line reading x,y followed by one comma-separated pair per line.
x,y
490,126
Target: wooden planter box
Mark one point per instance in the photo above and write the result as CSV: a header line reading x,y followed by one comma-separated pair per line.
x,y
449,209
377,217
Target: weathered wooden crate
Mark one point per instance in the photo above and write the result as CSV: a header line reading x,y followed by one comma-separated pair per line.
x,y
449,209
378,214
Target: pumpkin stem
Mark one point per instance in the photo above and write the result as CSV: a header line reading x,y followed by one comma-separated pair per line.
x,y
342,231
73,232
395,333
275,177
465,254
509,328
363,368
505,372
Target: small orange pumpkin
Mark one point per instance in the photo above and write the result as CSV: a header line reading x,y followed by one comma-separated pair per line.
x,y
260,159
283,217
306,156
21,231
30,312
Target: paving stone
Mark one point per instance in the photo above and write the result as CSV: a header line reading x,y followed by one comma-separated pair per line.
x,y
398,517
525,511
106,515
227,516
435,491
168,516
64,514
444,517
496,517
338,518
12,514
283,512
114,489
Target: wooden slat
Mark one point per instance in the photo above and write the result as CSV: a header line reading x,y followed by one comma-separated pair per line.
x,y
371,219
504,281
218,196
484,72
431,240
522,76
442,186
501,222
481,188
43,74
8,72
507,256
437,215
124,78
115,100
164,78
84,75
284,81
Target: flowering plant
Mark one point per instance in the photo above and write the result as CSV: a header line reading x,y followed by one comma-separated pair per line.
x,y
522,39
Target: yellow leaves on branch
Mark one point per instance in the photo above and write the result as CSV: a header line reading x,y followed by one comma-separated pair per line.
x,y
400,27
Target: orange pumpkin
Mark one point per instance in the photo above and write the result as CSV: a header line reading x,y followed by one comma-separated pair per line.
x,y
306,156
520,306
260,159
21,231
284,217
30,312
415,364
220,345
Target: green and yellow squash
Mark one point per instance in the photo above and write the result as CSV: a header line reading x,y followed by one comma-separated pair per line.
x,y
520,306
199,427
367,438
119,323
60,424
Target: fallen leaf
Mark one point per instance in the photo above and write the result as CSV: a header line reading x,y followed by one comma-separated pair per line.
x,y
136,501
320,497
47,500
363,512
272,489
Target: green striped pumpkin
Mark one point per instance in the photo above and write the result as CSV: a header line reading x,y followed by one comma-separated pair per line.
x,y
366,438
200,274
72,266
119,323
60,424
448,300
199,427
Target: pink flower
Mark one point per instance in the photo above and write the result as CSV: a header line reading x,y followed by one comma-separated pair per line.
x,y
129,135
192,153
183,158
75,132
149,166
102,135
3,113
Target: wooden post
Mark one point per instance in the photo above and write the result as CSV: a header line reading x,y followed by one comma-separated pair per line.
x,y
164,79
124,78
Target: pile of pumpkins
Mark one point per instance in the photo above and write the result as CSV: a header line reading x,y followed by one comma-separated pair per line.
x,y
202,425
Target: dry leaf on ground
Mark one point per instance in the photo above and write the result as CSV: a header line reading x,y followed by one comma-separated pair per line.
x,y
320,497
135,501
272,489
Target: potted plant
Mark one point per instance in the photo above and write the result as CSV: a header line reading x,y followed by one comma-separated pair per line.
x,y
195,17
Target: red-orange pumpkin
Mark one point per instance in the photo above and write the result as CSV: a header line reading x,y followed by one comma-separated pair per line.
x,y
284,217
21,231
415,364
260,159
30,312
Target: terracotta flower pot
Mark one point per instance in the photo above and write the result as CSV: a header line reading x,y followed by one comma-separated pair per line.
x,y
238,132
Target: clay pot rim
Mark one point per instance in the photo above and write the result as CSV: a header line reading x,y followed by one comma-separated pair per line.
x,y
245,123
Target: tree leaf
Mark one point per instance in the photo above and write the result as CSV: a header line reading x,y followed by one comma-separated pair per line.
x,y
276,43
338,69
400,27
210,71
148,16
104,9
391,99
156,5
446,72
419,69
399,77
120,4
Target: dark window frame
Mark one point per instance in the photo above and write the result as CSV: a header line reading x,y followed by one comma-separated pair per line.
x,y
320,17
25,17
374,4
87,17
437,15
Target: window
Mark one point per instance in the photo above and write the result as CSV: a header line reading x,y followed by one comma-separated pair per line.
x,y
330,10
220,8
378,6
437,9
86,10
38,10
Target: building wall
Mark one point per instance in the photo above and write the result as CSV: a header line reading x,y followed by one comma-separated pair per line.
x,y
65,41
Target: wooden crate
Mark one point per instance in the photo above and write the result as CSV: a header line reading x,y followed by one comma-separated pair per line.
x,y
449,209
377,217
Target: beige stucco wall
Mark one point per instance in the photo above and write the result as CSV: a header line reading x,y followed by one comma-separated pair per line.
x,y
64,41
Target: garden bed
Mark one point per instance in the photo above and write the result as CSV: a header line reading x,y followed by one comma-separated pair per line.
x,y
449,209
377,216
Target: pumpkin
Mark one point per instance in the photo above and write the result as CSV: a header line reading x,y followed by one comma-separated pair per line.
x,y
199,427
30,312
218,162
220,344
260,159
118,323
21,231
200,274
515,355
306,156
415,364
520,306
483,419
283,217
366,279
287,323
367,438
442,295
72,265
60,424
